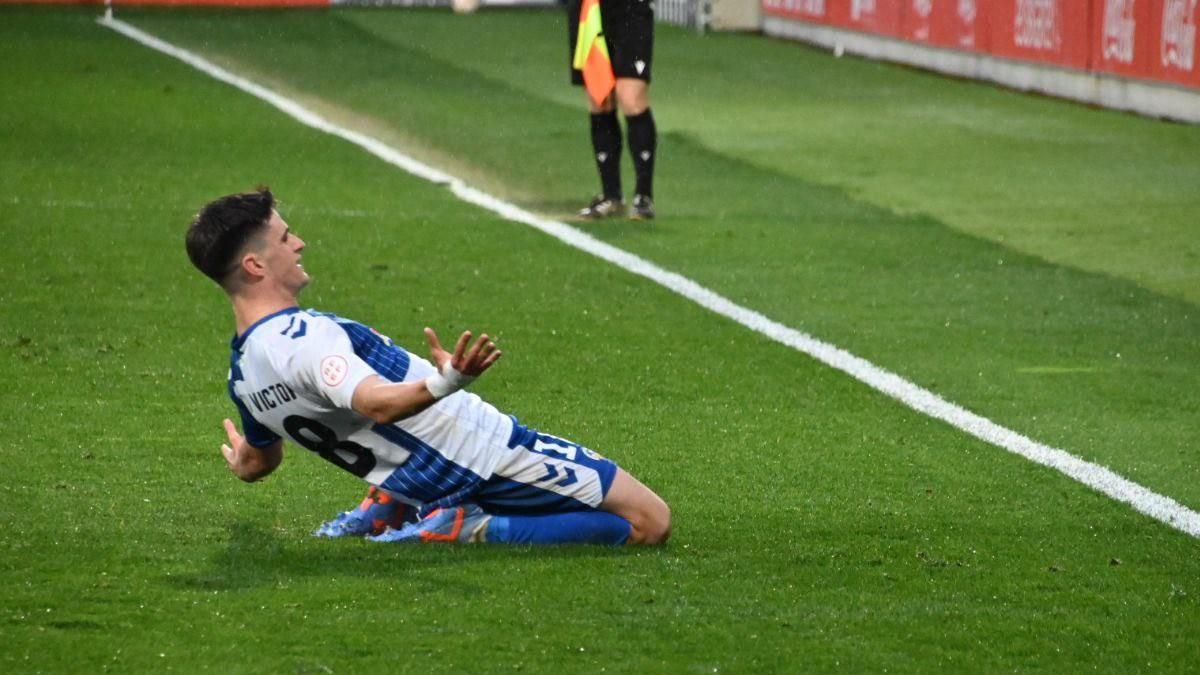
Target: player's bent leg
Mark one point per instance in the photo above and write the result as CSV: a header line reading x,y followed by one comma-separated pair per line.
x,y
572,527
548,490
648,515
470,524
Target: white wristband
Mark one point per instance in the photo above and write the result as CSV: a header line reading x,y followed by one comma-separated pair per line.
x,y
447,382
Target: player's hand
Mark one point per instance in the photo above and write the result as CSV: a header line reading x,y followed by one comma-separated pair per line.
x,y
235,441
470,362
246,461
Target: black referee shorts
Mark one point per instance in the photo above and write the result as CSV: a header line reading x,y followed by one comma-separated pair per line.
x,y
629,31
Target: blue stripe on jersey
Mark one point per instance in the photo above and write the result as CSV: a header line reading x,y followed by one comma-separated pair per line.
x,y
522,436
256,434
511,489
428,476
379,352
504,495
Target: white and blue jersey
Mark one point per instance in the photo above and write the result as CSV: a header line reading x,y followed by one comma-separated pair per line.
x,y
293,374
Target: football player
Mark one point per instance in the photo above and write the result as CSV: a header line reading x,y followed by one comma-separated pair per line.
x,y
443,464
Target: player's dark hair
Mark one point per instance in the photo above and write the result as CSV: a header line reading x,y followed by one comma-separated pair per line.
x,y
223,227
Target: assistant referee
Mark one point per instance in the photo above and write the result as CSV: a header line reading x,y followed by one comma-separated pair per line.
x,y
629,31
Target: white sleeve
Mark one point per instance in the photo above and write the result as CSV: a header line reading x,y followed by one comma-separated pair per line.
x,y
324,363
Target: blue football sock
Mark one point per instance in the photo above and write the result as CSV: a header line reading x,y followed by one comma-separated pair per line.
x,y
575,527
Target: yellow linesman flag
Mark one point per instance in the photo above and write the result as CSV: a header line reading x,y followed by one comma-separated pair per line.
x,y
591,53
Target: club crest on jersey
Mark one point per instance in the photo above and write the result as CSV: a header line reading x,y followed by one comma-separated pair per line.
x,y
333,370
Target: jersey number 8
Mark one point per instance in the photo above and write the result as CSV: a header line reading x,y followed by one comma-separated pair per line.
x,y
322,440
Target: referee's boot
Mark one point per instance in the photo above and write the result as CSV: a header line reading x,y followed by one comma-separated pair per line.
x,y
603,207
643,208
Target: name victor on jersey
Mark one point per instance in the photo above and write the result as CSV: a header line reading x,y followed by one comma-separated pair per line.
x,y
272,397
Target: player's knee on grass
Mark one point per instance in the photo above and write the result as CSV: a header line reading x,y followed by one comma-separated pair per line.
x,y
653,526
648,515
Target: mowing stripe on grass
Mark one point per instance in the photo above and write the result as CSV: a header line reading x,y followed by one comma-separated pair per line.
x,y
1100,478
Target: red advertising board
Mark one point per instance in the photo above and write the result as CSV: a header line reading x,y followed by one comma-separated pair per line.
x,y
808,11
1173,47
1122,37
1056,32
957,24
1150,39
1145,39
872,16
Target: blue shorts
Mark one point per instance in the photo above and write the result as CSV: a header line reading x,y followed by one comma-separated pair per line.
x,y
545,474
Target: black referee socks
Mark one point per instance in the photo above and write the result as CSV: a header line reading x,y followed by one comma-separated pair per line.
x,y
606,141
643,143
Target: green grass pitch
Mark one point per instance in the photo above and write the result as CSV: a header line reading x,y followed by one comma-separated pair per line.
x,y
1032,260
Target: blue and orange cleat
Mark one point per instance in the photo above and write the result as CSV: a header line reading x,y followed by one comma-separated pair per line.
x,y
466,524
377,512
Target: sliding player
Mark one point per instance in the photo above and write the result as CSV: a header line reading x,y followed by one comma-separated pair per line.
x,y
403,424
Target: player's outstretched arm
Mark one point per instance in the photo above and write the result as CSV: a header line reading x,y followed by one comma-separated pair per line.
x,y
386,402
463,362
246,461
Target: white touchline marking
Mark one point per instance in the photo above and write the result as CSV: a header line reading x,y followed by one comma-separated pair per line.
x,y
1100,478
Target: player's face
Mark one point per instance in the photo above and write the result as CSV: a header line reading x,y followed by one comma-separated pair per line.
x,y
281,255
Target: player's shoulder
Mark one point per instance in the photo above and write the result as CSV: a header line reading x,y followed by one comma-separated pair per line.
x,y
329,318
360,334
288,331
